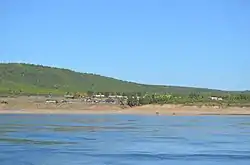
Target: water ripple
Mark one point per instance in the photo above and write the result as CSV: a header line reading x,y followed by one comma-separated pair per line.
x,y
30,141
123,139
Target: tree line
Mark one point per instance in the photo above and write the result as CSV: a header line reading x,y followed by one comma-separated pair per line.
x,y
190,99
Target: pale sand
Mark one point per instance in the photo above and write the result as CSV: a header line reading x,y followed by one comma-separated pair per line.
x,y
143,110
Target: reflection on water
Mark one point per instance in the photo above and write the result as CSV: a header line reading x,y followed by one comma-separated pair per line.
x,y
89,128
123,140
28,141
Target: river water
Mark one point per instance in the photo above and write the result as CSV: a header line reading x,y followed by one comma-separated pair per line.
x,y
124,140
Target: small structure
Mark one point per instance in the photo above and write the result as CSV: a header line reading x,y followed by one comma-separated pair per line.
x,y
110,100
99,96
64,101
51,101
69,96
215,98
117,96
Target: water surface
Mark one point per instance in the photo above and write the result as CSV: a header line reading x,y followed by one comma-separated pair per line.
x,y
124,140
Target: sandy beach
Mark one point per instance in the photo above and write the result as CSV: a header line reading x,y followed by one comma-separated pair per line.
x,y
171,112
36,106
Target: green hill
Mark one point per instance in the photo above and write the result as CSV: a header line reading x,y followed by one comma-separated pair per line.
x,y
34,79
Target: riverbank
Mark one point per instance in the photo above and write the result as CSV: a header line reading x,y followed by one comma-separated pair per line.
x,y
38,105
143,110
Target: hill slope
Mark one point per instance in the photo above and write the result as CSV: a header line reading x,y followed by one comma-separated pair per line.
x,y
29,78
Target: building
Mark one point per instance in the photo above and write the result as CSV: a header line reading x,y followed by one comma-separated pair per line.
x,y
215,98
69,96
99,96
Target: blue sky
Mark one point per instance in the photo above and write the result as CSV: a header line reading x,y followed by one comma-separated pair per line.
x,y
203,43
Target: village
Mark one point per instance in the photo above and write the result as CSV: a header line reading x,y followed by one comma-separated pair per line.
x,y
129,100
94,99
111,99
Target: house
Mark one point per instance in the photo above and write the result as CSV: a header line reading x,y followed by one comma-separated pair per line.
x,y
69,96
118,97
215,98
99,96
220,99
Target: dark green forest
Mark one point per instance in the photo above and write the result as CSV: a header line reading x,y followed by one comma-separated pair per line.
x,y
22,79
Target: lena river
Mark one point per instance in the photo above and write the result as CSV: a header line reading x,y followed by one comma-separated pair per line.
x,y
124,140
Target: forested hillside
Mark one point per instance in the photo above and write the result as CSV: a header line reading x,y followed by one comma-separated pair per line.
x,y
37,79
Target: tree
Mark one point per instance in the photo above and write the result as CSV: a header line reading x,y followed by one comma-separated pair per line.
x,y
139,94
132,101
194,96
90,93
145,100
106,94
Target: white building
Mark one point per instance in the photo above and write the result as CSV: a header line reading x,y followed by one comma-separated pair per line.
x,y
216,98
99,96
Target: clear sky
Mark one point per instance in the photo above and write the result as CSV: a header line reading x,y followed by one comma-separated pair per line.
x,y
203,43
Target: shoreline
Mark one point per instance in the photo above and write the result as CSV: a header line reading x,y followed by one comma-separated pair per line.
x,y
164,110
34,105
